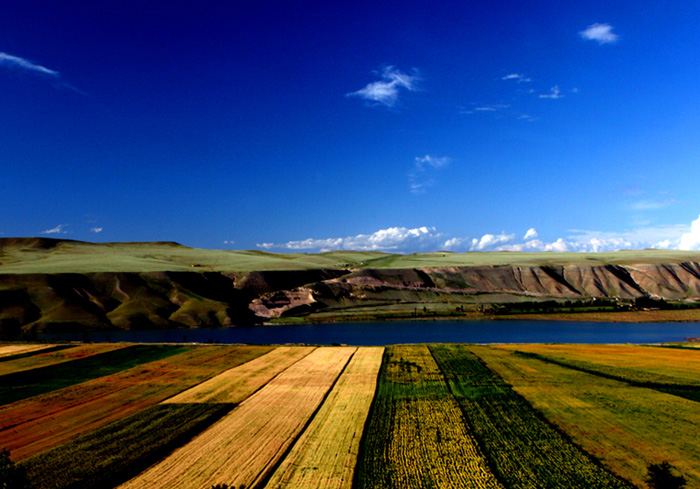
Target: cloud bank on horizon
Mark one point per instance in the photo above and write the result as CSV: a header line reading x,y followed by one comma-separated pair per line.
x,y
428,239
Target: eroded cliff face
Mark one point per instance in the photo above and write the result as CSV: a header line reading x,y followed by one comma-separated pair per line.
x,y
94,301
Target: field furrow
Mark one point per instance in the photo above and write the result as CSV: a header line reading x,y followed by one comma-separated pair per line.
x,y
236,384
523,448
625,427
39,423
325,455
244,446
416,436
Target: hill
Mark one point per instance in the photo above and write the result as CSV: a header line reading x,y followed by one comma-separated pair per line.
x,y
63,285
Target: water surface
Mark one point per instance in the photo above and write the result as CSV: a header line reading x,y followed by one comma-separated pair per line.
x,y
392,332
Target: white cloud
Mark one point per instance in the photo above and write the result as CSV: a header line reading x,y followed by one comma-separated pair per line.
x,y
405,240
57,230
386,91
96,230
601,33
421,176
531,233
16,63
397,239
517,77
691,239
554,93
489,241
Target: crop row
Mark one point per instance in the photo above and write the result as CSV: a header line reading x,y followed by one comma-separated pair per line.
x,y
633,362
244,447
51,355
416,436
122,449
27,383
524,449
36,424
623,426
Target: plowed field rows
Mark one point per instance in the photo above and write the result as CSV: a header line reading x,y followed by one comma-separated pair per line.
x,y
325,455
244,446
236,384
42,422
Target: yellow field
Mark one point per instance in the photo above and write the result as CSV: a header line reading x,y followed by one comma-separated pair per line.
x,y
418,436
326,453
244,446
236,384
625,427
7,350
675,364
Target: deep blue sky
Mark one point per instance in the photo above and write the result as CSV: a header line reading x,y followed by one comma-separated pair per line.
x,y
403,126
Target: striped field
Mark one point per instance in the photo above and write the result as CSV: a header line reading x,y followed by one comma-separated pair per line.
x,y
320,417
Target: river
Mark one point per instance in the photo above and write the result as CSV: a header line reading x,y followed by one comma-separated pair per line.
x,y
393,332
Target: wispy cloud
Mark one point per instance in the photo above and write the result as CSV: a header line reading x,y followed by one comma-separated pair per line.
x,y
57,230
601,33
397,239
15,63
386,91
554,93
517,77
96,230
422,175
650,205
10,62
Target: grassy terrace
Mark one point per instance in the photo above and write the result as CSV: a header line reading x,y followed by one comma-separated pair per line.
x,y
39,255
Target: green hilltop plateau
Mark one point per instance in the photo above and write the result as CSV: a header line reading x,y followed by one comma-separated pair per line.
x,y
63,285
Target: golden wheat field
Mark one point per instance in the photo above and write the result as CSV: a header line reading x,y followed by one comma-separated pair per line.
x,y
344,417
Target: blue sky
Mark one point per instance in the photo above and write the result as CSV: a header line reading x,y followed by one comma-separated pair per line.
x,y
308,126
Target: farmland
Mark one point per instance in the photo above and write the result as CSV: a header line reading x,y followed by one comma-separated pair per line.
x,y
401,416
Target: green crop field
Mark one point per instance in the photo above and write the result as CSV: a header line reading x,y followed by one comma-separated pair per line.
x,y
418,416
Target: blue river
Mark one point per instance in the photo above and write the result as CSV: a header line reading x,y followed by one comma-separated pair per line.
x,y
394,332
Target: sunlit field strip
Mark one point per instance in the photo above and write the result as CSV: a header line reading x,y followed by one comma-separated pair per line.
x,y
244,446
28,383
236,384
416,435
326,453
637,363
7,350
120,450
55,357
43,422
625,427
505,424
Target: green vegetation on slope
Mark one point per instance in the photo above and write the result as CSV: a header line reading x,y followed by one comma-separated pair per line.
x,y
111,455
43,255
28,383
